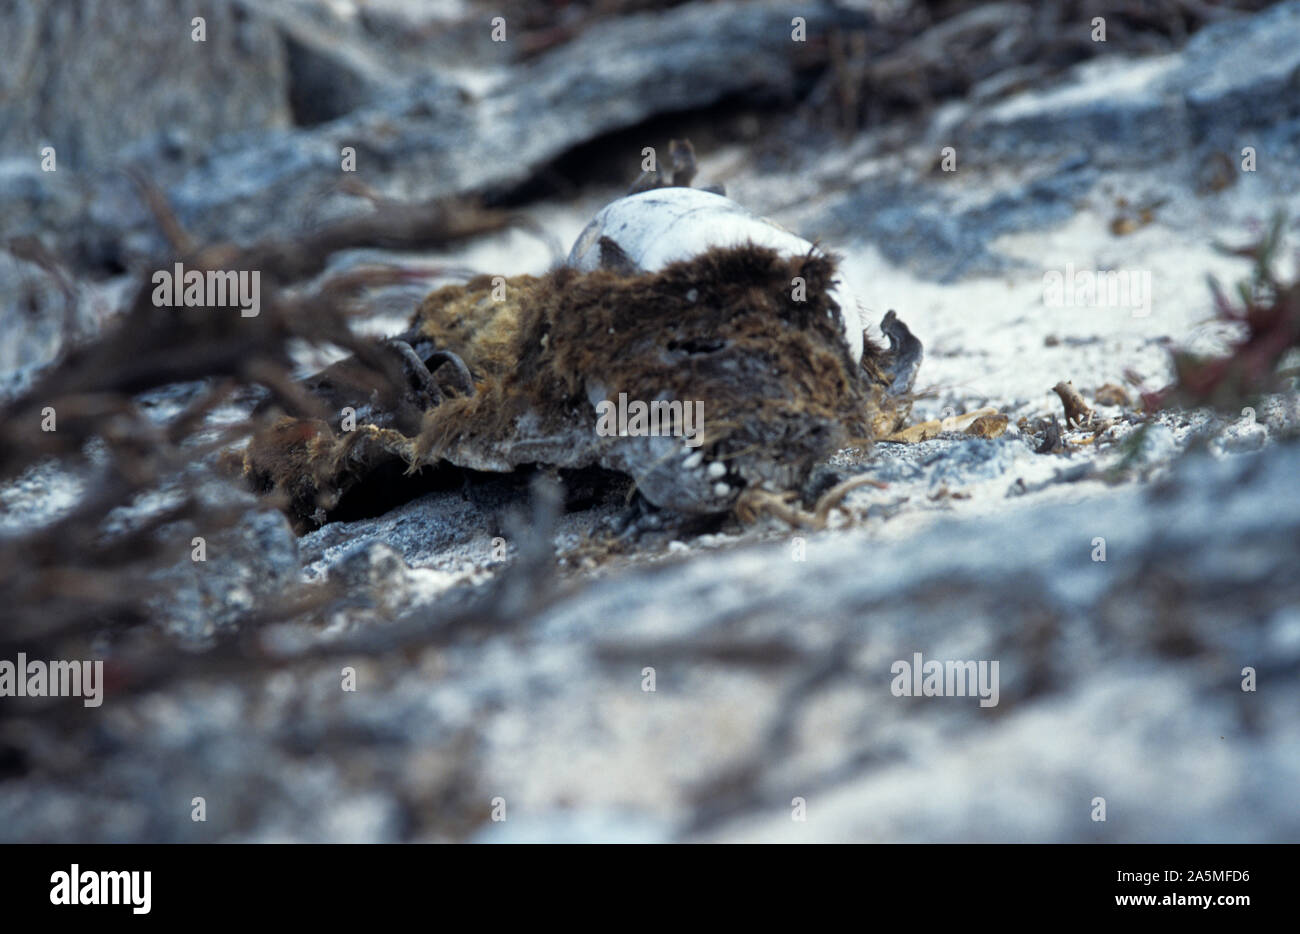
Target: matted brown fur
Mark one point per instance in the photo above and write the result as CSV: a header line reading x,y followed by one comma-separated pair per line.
x,y
780,371
778,385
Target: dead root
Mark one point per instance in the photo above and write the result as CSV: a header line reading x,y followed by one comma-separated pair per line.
x,y
755,503
981,423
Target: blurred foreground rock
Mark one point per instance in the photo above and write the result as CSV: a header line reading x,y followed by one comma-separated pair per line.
x,y
1119,679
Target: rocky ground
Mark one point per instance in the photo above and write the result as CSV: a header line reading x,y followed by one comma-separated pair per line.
x,y
515,652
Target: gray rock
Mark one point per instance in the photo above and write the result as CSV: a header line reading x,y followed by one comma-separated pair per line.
x,y
435,140
248,566
67,68
431,138
1236,75
1233,85
1242,74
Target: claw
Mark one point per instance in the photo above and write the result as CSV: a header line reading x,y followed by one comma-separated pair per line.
x,y
463,380
417,373
903,357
